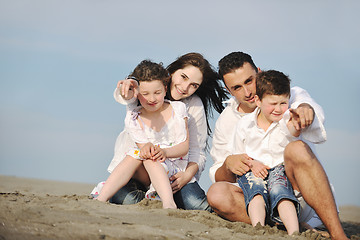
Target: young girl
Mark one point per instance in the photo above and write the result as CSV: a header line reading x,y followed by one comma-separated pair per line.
x,y
194,82
159,129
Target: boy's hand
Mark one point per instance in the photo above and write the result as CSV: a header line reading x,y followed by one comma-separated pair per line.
x,y
259,169
129,88
303,116
146,150
238,164
158,154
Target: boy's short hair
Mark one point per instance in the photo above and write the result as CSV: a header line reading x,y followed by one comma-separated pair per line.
x,y
233,61
272,82
149,71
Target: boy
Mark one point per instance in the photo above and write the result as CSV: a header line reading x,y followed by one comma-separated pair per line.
x,y
263,135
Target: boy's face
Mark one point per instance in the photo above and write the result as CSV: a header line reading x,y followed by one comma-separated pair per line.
x,y
241,84
273,107
151,95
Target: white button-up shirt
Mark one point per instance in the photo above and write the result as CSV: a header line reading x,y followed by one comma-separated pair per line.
x,y
226,123
265,146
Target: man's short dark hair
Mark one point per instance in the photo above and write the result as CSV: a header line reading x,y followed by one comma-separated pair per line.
x,y
233,61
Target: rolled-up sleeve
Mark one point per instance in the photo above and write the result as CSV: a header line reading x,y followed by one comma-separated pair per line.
x,y
316,132
197,133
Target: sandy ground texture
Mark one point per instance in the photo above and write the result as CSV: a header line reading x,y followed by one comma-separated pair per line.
x,y
38,209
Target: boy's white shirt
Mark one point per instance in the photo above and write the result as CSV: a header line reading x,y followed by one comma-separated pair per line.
x,y
227,121
197,133
265,146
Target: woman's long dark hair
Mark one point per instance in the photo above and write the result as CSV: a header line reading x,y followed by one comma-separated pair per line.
x,y
211,92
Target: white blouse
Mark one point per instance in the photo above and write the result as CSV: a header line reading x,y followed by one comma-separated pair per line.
x,y
172,133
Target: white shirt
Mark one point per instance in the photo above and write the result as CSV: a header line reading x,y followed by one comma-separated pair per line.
x,y
225,126
197,134
265,146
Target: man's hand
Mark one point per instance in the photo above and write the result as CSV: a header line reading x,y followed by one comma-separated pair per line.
x,y
302,117
238,164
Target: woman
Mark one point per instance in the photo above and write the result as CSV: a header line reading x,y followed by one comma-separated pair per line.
x,y
194,82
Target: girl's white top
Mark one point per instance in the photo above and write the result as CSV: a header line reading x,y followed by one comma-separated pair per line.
x,y
172,133
197,134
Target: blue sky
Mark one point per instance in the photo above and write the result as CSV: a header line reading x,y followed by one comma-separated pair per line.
x,y
60,62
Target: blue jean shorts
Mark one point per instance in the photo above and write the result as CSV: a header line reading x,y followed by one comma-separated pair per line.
x,y
275,187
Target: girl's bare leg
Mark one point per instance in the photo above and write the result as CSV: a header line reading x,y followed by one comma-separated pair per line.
x,y
119,177
161,182
257,210
288,216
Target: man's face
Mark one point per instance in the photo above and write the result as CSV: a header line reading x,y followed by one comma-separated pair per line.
x,y
241,84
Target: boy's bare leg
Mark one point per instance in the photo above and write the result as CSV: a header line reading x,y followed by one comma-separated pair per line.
x,y
257,211
308,176
288,216
119,177
161,182
228,201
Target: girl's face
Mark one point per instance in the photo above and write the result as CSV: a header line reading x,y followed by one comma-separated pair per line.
x,y
185,81
151,95
273,107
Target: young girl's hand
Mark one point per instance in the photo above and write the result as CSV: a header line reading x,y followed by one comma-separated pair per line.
x,y
259,169
129,88
146,151
158,154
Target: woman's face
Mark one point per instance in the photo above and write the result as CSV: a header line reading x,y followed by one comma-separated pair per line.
x,y
185,81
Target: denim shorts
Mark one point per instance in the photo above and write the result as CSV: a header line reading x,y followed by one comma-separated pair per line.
x,y
275,187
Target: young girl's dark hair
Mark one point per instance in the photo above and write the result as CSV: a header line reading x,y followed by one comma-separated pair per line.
x,y
149,71
211,92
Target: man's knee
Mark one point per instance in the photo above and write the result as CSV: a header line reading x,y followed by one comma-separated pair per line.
x,y
221,196
215,194
298,152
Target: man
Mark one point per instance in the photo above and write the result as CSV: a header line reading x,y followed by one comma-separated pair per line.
x,y
303,169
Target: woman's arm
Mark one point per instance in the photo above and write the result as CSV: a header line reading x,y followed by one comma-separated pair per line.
x,y
197,133
181,149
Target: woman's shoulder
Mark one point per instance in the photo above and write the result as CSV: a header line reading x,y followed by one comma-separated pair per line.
x,y
176,104
193,101
179,107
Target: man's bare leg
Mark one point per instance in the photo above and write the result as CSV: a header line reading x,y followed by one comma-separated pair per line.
x,y
228,201
308,176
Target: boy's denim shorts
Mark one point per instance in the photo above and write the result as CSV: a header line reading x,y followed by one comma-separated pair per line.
x,y
273,188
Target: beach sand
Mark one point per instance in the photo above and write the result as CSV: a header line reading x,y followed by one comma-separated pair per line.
x,y
40,209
